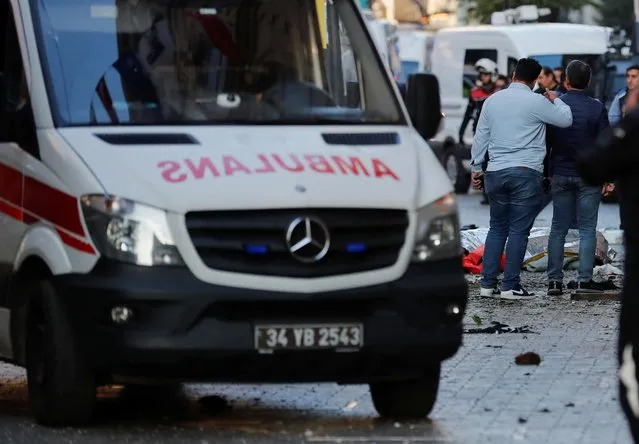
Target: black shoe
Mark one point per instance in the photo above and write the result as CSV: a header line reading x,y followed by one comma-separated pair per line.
x,y
555,288
588,287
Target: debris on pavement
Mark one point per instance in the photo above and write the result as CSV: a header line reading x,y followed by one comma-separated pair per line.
x,y
528,358
499,328
476,320
535,259
607,271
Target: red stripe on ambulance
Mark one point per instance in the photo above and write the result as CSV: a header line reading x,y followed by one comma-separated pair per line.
x,y
31,201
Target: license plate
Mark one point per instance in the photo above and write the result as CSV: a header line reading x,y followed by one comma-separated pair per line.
x,y
304,337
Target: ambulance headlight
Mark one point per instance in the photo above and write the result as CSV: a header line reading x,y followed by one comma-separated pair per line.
x,y
128,231
437,234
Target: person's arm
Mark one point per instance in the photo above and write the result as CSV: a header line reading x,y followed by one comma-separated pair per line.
x,y
614,114
480,141
603,121
555,113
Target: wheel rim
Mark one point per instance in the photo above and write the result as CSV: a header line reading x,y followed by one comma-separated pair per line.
x,y
451,168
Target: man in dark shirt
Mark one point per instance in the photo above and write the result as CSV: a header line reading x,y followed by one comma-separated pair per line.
x,y
615,157
546,80
569,192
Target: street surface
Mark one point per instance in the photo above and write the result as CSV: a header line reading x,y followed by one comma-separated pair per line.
x,y
484,397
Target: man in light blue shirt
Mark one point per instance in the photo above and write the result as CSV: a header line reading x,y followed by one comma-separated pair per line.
x,y
512,129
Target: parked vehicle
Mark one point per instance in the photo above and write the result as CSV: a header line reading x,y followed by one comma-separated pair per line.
x,y
190,192
415,47
456,50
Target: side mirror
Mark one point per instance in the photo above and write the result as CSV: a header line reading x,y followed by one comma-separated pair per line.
x,y
423,103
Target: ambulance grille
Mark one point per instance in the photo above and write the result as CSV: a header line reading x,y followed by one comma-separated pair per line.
x,y
254,241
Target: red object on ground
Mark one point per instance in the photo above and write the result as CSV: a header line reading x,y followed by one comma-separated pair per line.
x,y
472,262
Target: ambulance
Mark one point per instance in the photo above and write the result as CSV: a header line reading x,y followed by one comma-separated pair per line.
x,y
189,192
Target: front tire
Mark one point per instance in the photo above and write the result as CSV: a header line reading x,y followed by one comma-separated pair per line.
x,y
411,399
62,387
456,172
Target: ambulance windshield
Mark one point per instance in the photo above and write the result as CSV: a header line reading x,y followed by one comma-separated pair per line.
x,y
162,62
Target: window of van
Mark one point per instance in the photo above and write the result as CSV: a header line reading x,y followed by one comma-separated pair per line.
x,y
596,62
110,62
470,73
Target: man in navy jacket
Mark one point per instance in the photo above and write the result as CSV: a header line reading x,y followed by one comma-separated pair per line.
x,y
570,194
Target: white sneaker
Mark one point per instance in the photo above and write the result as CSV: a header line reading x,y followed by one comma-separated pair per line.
x,y
489,292
516,294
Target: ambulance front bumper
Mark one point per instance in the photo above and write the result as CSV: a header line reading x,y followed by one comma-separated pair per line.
x,y
185,329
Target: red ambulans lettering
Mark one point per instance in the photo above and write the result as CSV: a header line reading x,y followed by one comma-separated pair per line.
x,y
266,165
319,164
354,165
298,166
171,171
232,166
204,164
206,167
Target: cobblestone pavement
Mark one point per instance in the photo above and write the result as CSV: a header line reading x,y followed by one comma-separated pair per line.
x,y
571,398
485,398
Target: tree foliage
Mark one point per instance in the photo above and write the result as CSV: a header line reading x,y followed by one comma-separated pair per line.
x,y
617,13
484,8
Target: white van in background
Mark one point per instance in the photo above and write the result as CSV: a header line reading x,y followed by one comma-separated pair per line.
x,y
189,191
385,36
456,50
415,47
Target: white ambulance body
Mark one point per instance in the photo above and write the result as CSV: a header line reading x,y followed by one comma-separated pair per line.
x,y
456,50
185,196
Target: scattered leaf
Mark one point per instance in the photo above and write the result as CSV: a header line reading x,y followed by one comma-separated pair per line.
x,y
570,404
522,420
476,320
545,410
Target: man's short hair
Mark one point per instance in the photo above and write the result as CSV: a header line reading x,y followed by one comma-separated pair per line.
x,y
630,68
527,70
558,68
578,74
547,71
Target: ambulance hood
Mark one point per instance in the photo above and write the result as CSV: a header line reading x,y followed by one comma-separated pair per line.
x,y
234,167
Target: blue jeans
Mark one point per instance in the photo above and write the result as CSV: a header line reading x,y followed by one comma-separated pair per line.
x,y
515,197
570,195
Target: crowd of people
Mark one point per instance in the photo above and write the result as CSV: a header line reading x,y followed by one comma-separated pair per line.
x,y
557,139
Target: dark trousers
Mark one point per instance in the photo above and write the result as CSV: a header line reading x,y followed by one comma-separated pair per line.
x,y
623,206
628,347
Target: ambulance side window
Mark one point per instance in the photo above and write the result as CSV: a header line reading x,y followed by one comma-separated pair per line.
x,y
18,124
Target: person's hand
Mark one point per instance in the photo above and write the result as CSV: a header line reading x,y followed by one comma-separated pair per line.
x,y
545,183
631,101
550,95
476,179
608,189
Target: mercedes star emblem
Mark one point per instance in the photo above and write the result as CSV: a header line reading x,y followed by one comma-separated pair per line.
x,y
308,239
